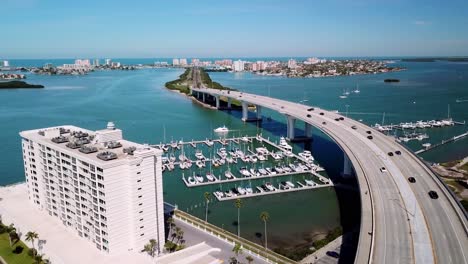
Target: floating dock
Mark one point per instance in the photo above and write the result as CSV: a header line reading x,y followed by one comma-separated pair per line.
x,y
455,138
262,192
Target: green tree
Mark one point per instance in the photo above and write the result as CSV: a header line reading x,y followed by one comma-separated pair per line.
x,y
265,216
249,259
180,236
207,200
151,247
238,204
237,249
12,235
31,236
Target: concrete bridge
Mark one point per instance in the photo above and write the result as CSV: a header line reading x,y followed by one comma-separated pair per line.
x,y
400,223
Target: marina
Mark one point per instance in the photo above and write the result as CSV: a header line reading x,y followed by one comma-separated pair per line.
x,y
428,146
242,167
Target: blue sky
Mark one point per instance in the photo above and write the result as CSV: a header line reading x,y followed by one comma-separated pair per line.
x,y
218,28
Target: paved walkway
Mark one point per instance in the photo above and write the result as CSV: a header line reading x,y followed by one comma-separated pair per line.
x,y
320,256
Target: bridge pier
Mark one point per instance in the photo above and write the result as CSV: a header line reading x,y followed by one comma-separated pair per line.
x,y
203,96
308,130
291,122
245,111
229,103
259,112
217,101
347,167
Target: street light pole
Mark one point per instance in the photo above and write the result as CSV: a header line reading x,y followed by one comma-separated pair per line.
x,y
347,106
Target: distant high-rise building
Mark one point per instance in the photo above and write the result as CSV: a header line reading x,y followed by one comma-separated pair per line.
x,y
6,63
195,62
105,189
175,62
108,62
96,62
183,62
292,64
82,62
238,66
312,61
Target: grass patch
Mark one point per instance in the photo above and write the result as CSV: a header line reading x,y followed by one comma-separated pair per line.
x,y
7,252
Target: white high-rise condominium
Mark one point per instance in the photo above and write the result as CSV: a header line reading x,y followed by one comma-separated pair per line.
x,y
238,66
183,62
175,62
6,63
103,188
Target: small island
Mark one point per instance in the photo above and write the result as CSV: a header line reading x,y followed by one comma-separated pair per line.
x,y
391,80
18,85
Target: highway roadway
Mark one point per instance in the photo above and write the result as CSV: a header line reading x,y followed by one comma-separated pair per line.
x,y
400,223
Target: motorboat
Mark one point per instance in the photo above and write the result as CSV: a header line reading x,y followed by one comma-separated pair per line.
x,y
245,172
284,185
244,139
263,171
199,164
269,186
253,172
222,153
199,155
228,175
210,177
310,183
182,166
191,180
284,144
219,194
290,184
221,130
172,158
248,190
262,150
261,157
253,159
209,142
276,156
241,190
278,169
306,155
286,169
229,193
288,153
229,159
199,178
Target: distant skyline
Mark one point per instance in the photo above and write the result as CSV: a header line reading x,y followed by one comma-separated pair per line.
x,y
214,29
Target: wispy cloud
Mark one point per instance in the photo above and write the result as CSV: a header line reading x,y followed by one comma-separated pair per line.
x,y
421,22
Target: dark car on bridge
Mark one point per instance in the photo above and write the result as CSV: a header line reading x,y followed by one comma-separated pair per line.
x,y
398,152
369,132
310,109
321,113
341,118
333,254
370,137
433,194
354,127
412,179
324,123
337,119
308,115
390,154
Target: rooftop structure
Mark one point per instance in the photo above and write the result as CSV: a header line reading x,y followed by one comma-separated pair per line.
x,y
103,188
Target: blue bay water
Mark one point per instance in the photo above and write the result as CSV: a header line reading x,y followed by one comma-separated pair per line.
x,y
139,104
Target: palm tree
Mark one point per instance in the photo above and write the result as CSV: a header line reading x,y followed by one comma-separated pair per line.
x,y
237,249
151,247
207,198
170,221
264,216
249,259
177,231
238,205
180,236
31,236
12,235
38,259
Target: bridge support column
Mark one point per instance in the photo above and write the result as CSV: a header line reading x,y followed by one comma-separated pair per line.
x,y
229,102
308,130
203,96
245,111
291,125
217,101
259,112
347,167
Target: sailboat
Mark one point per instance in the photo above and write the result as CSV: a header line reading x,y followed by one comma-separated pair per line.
x,y
344,95
357,89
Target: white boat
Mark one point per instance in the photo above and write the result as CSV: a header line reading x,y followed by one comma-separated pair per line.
x,y
228,175
269,186
310,183
290,184
262,150
244,172
199,155
253,172
284,186
306,155
426,145
210,177
222,129
287,169
248,190
191,180
278,169
228,193
276,156
288,153
357,89
343,96
229,159
172,158
199,178
241,190
174,144
219,194
261,157
245,139
165,148
284,144
259,138
188,164
182,166
222,153
253,159
182,157
263,171
209,142
199,164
